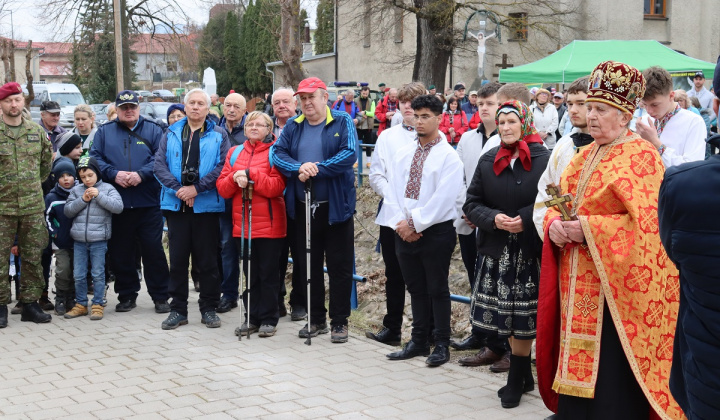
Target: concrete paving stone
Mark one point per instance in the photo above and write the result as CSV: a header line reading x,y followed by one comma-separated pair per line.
x,y
90,396
350,416
191,380
318,412
383,411
119,401
283,407
215,406
220,395
19,408
145,416
128,390
178,413
282,396
50,413
159,385
317,401
149,407
186,390
85,407
9,383
183,401
113,413
310,391
160,395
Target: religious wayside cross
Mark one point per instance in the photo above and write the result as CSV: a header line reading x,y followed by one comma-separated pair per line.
x,y
558,200
503,65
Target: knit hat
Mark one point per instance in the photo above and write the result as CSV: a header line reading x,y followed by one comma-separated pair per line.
x,y
63,165
172,108
87,162
67,141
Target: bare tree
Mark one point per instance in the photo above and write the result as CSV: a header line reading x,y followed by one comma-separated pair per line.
x,y
28,75
439,32
290,47
6,60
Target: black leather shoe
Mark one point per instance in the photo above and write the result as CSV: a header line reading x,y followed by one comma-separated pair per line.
x,y
161,307
125,306
410,350
226,305
298,313
32,312
439,356
384,336
470,343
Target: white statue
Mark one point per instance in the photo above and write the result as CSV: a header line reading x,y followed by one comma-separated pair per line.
x,y
481,38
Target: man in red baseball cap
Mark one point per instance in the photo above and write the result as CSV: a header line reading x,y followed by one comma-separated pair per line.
x,y
320,144
24,164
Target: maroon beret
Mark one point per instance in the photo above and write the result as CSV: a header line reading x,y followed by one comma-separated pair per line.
x,y
9,89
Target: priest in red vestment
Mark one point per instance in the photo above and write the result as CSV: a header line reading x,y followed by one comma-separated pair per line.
x,y
608,300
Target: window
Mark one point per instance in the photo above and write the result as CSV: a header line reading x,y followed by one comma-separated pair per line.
x,y
367,25
399,25
655,8
518,26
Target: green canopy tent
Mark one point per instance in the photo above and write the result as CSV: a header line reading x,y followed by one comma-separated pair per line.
x,y
579,58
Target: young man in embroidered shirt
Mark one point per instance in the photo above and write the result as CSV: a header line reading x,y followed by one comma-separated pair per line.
x,y
678,134
425,179
388,144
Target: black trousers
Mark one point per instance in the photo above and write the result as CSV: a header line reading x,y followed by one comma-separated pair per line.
x,y
145,225
264,279
195,234
395,284
366,136
298,293
334,244
425,266
617,393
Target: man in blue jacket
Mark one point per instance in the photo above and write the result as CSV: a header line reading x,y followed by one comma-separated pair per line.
x,y
187,164
320,144
125,151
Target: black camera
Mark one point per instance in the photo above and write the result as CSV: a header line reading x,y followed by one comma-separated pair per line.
x,y
189,176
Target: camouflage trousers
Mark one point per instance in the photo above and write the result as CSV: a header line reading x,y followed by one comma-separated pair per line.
x,y
32,239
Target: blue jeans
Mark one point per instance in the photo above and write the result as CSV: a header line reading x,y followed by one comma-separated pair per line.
x,y
95,252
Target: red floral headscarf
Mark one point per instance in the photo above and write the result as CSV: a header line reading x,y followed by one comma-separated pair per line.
x,y
529,135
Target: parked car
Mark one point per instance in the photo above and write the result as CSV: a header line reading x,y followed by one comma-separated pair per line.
x,y
100,113
144,94
163,93
68,96
155,110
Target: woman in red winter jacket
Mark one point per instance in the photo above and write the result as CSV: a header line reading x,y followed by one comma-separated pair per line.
x,y
269,226
454,121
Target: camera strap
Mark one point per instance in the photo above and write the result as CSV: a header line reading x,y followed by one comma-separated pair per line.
x,y
191,147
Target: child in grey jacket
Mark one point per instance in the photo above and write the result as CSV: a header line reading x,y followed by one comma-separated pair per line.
x,y
92,205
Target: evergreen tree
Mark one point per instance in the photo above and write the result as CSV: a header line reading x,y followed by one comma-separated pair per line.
x,y
325,32
231,49
211,50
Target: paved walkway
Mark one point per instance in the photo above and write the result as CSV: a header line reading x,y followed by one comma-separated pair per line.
x,y
125,366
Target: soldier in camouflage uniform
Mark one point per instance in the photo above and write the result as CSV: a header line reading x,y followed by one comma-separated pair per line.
x,y
25,161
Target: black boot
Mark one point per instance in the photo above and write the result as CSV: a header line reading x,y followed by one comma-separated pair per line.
x,y
60,302
45,303
528,387
32,312
3,316
519,366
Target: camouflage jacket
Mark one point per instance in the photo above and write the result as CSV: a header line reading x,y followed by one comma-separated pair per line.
x,y
25,162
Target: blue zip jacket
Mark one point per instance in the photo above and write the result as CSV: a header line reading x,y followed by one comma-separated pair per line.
x,y
116,150
340,106
214,145
339,141
57,223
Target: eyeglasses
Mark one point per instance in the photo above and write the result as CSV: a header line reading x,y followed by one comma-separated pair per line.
x,y
258,125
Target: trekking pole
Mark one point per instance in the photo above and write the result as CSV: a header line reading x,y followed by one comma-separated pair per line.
x,y
248,278
238,332
308,217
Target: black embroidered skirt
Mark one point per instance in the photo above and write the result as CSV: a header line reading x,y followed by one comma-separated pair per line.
x,y
505,294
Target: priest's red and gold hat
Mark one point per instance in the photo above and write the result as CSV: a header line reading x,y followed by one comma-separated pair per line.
x,y
617,84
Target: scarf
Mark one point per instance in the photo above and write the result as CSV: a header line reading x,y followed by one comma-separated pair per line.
x,y
529,135
660,124
581,139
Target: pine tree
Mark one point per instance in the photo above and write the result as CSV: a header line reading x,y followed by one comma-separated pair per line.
x,y
325,32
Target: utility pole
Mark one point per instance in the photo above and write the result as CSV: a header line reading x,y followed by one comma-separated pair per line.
x,y
117,13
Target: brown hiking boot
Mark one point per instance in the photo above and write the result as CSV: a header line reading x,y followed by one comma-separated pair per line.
x,y
96,312
76,311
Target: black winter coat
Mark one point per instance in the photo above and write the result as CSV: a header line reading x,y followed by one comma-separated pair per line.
x,y
690,232
512,193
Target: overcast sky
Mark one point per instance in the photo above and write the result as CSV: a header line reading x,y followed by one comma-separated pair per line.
x,y
26,24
